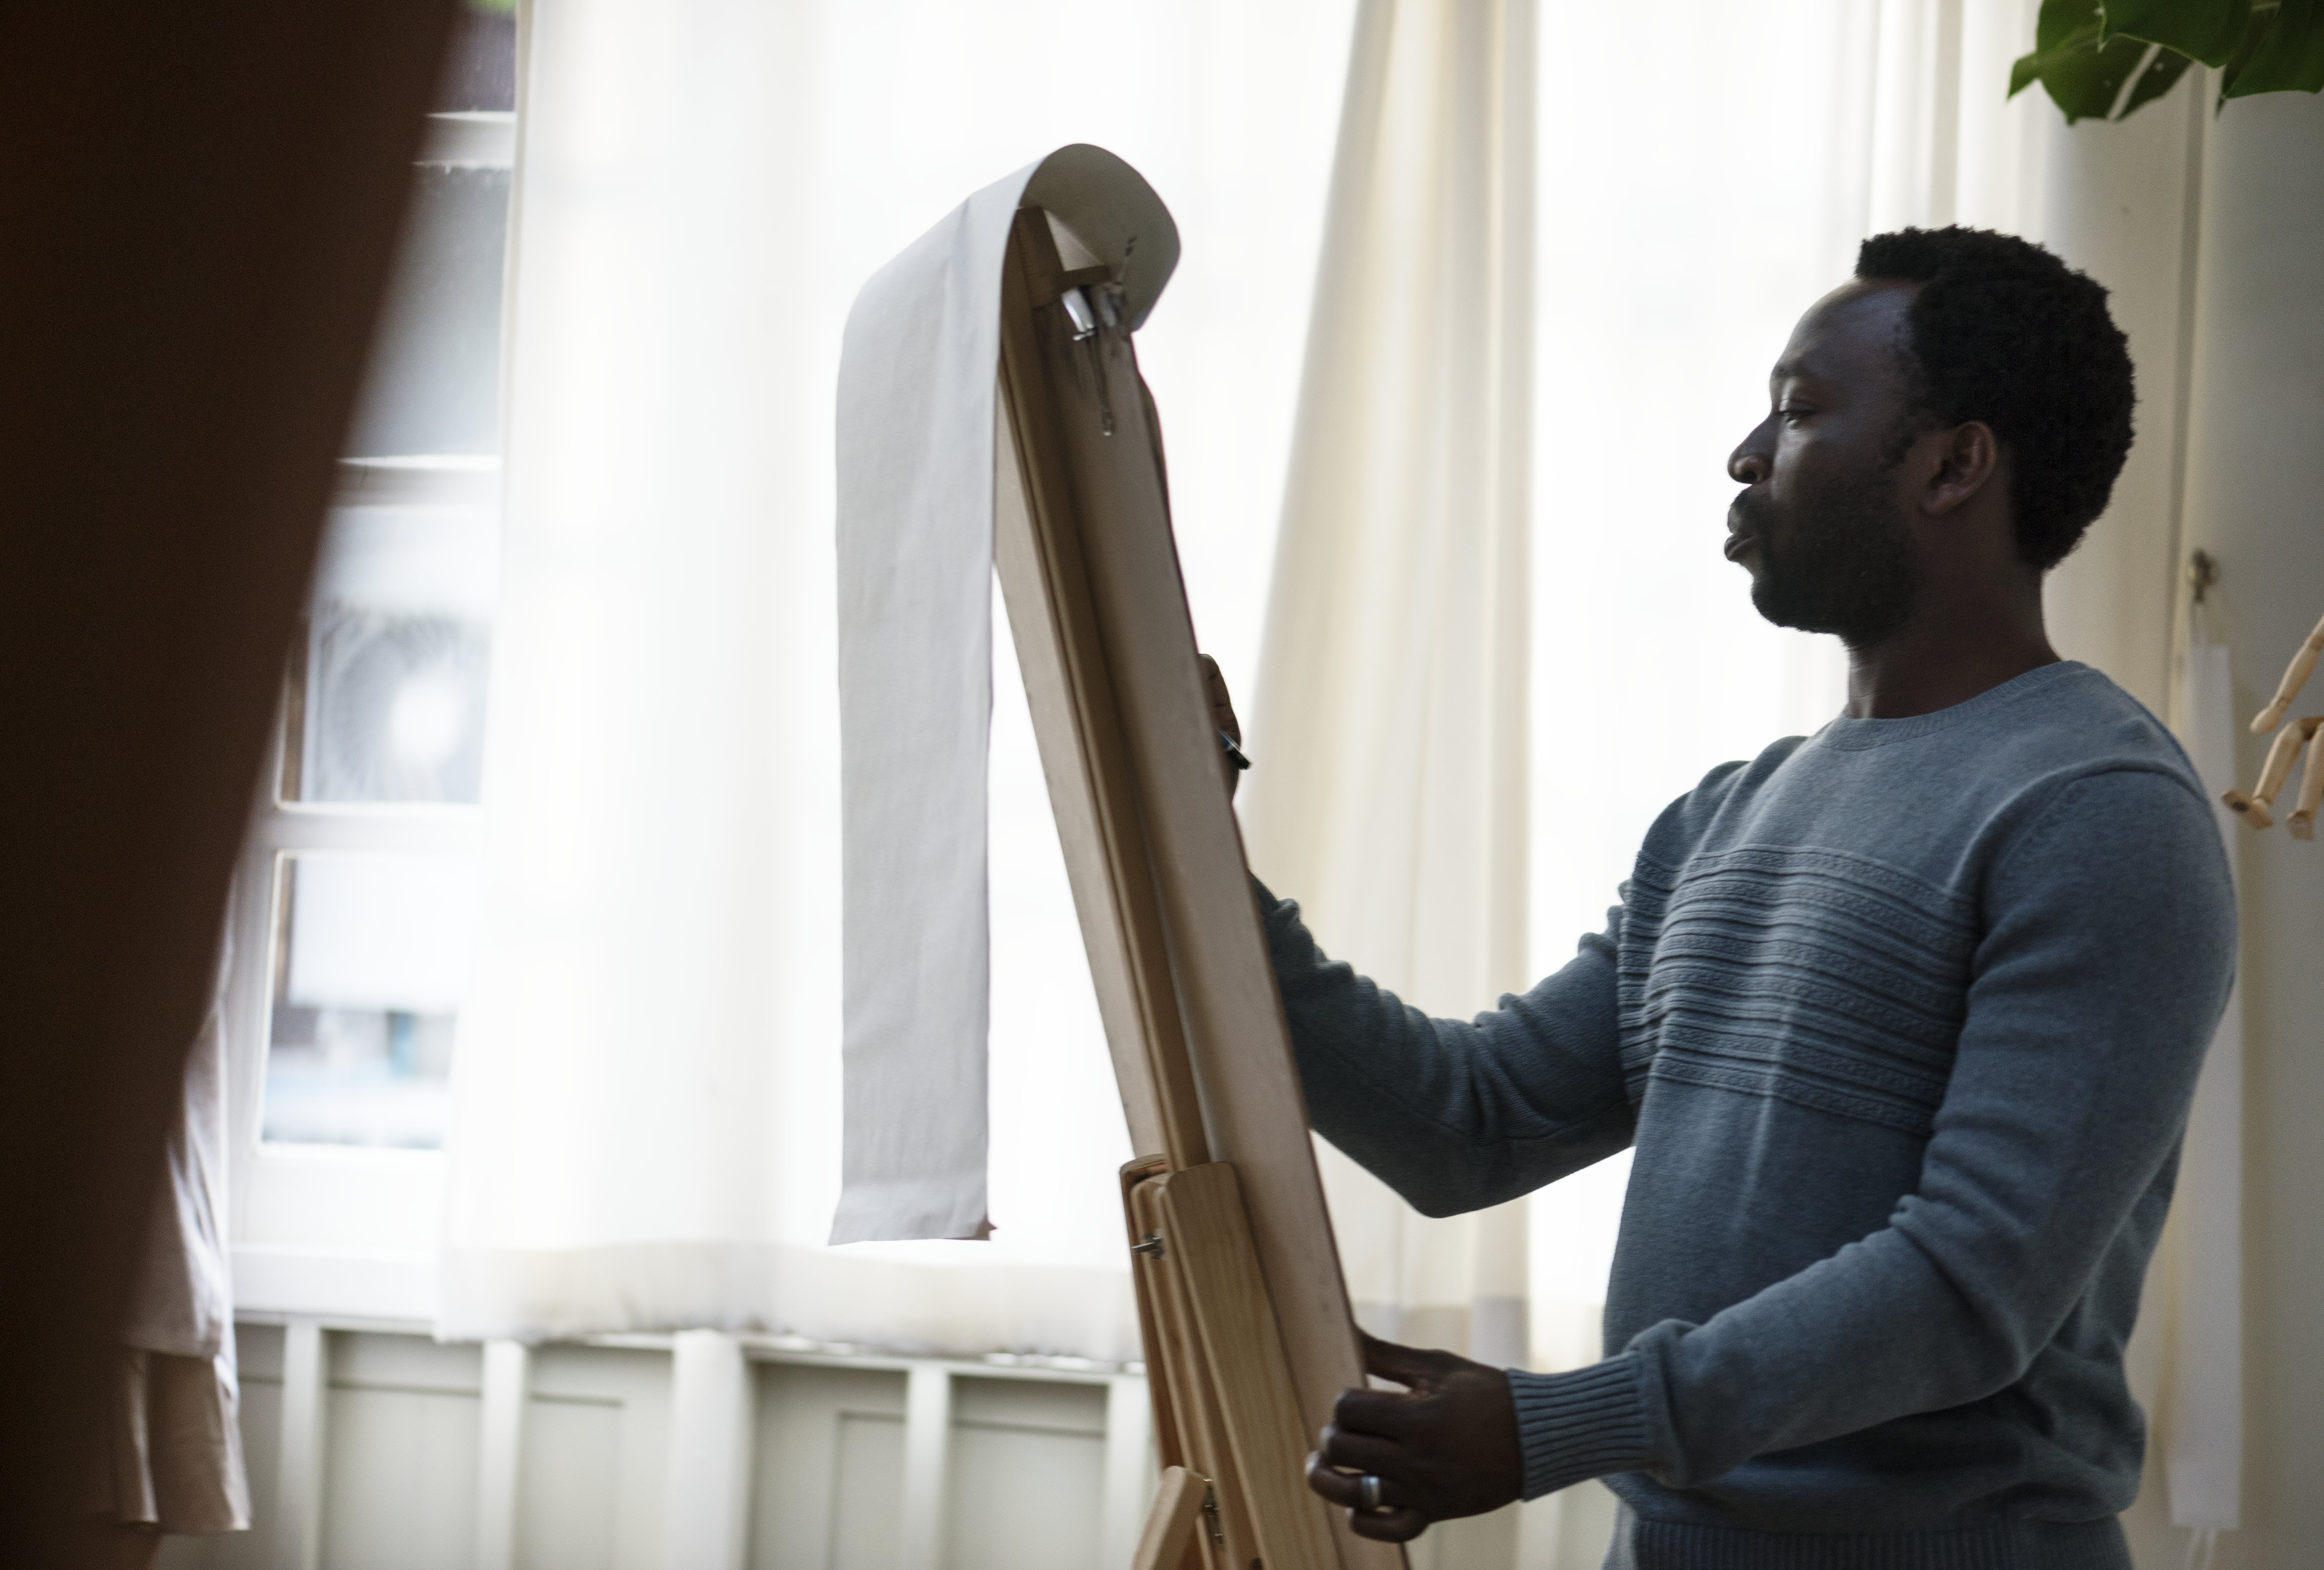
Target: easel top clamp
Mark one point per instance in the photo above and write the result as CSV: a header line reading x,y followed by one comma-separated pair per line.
x,y
1245,1315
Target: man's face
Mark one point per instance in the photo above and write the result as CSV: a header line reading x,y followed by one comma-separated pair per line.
x,y
1823,525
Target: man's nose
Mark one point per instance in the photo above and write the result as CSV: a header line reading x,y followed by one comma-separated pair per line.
x,y
1748,464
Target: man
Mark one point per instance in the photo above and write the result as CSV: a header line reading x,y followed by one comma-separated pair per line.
x,y
1903,1018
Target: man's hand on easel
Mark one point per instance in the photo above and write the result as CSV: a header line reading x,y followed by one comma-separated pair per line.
x,y
1445,1446
1232,762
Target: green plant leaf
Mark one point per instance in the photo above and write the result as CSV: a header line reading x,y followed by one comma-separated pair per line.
x,y
2288,57
2060,20
2210,31
2159,76
2086,51
2082,74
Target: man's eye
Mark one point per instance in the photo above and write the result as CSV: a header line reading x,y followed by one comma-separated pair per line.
x,y
1792,414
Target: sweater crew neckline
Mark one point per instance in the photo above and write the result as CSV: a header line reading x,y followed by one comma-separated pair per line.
x,y
1850,735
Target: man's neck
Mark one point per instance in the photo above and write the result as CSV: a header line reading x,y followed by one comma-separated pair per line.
x,y
1947,655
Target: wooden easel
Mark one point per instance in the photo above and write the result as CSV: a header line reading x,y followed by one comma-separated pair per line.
x,y
1244,1313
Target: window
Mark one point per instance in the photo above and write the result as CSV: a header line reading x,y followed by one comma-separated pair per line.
x,y
372,831
355,900
370,873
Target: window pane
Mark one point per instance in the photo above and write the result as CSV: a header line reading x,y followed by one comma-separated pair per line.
x,y
390,705
433,385
372,956
387,699
434,382
480,61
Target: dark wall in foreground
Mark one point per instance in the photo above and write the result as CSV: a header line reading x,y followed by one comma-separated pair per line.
x,y
196,210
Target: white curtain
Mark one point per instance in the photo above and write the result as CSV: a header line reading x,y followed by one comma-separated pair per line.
x,y
647,1083
1389,717
177,1459
1451,504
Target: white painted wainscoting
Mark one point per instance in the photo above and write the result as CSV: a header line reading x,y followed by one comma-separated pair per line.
x,y
373,1447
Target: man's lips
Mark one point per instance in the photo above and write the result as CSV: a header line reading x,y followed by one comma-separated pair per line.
x,y
1744,524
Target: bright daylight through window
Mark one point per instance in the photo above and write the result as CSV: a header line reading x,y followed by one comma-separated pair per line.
x,y
372,829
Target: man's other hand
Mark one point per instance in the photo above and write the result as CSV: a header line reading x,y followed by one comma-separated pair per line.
x,y
1445,1446
1222,720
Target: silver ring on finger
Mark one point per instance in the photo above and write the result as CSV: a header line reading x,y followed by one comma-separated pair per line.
x,y
1368,1490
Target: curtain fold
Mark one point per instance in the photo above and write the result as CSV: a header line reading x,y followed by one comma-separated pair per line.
x,y
657,796
1501,636
177,1458
1390,718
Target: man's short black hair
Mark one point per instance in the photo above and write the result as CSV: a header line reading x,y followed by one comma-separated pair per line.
x,y
2004,332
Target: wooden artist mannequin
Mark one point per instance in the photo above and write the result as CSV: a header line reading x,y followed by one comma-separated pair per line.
x,y
2255,809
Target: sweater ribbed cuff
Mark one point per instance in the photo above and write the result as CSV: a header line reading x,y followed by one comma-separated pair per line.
x,y
1579,1425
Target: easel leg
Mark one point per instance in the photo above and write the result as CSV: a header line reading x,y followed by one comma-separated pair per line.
x,y
1170,1527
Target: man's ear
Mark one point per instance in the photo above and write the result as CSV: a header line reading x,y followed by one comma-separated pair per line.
x,y
1966,462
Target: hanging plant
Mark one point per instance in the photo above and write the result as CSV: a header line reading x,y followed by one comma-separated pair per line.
x,y
2100,59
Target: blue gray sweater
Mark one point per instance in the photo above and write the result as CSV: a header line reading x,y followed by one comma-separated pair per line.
x,y
1903,1020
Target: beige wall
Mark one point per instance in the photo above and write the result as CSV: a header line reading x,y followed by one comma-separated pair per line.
x,y
2117,201
2210,232
2254,499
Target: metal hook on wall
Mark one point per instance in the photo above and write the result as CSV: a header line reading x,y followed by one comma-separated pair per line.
x,y
2202,573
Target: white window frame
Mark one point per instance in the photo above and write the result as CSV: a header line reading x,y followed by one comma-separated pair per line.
x,y
346,1232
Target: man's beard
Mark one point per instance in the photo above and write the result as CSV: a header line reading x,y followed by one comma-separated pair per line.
x,y
1847,566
